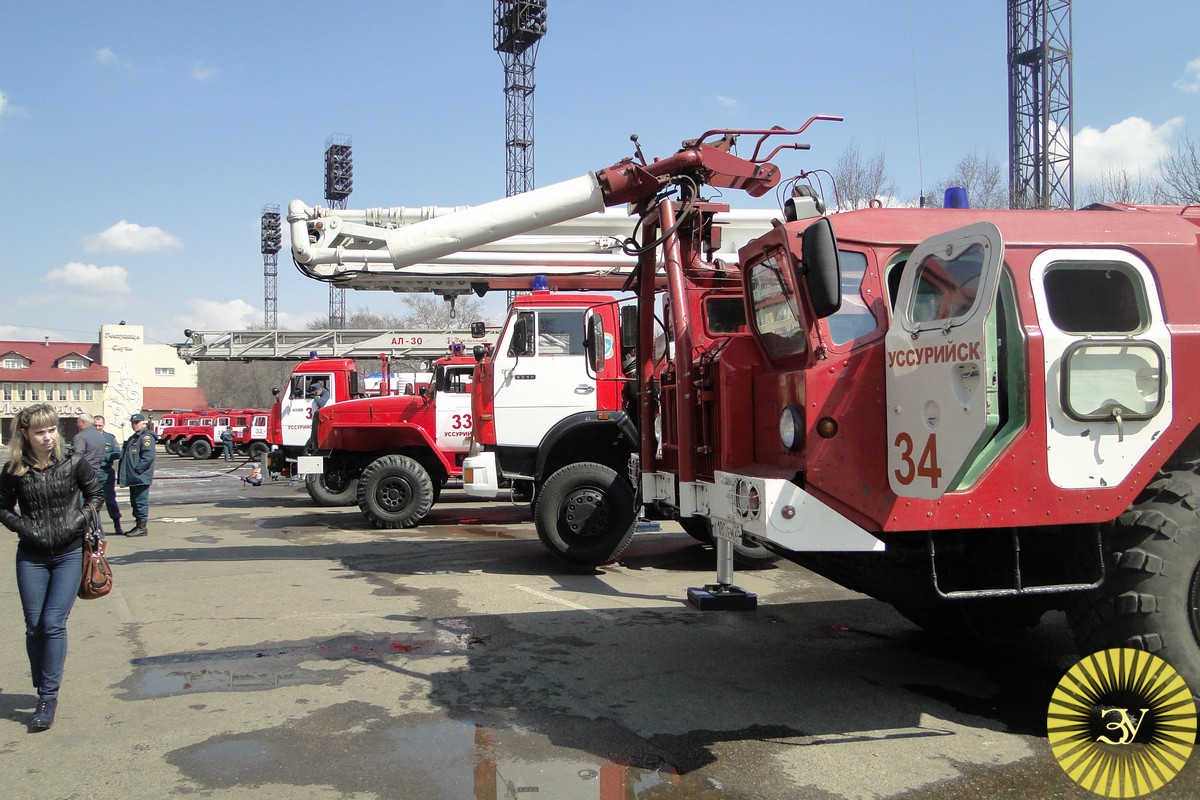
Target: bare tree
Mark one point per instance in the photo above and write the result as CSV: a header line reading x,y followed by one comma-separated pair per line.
x,y
983,178
418,311
858,181
1121,185
1181,173
237,384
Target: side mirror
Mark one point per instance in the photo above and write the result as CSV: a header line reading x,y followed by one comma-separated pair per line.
x,y
593,342
820,268
629,326
522,340
478,330
478,352
275,391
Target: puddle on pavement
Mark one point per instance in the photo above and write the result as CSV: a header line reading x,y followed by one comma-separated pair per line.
x,y
431,759
258,669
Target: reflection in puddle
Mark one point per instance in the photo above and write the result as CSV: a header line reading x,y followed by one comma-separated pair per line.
x,y
430,760
256,669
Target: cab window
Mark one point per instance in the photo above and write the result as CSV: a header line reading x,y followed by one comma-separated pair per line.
x,y
946,289
724,315
1095,297
854,318
560,333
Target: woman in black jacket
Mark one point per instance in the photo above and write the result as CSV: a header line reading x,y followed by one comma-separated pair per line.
x,y
40,499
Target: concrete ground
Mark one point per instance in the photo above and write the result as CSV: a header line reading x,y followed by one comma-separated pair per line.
x,y
256,646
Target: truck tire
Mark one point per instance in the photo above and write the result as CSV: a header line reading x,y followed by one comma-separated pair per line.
x,y
395,492
1150,598
332,489
584,514
201,449
259,449
745,556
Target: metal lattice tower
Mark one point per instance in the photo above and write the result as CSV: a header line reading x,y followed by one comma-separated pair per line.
x,y
339,182
272,239
1040,119
519,27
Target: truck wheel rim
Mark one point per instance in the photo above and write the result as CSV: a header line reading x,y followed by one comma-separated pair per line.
x,y
584,512
393,495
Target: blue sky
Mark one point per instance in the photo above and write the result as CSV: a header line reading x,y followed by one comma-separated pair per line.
x,y
139,141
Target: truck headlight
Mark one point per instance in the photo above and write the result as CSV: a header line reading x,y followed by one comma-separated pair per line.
x,y
790,428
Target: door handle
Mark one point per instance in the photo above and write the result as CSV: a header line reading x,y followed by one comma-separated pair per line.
x,y
584,388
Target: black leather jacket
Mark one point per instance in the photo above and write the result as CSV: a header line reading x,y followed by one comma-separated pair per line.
x,y
50,519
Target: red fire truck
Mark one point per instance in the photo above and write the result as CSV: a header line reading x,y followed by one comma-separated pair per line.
x,y
974,415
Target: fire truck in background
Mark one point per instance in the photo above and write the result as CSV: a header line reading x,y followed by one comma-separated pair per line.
x,y
392,454
198,434
973,415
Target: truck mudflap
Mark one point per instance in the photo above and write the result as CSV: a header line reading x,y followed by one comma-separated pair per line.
x,y
480,476
781,513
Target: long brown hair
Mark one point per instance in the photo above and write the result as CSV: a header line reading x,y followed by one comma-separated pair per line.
x,y
32,418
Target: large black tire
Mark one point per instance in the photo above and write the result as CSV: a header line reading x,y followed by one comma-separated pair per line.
x,y
332,489
395,492
1150,599
259,449
585,513
168,446
745,556
201,449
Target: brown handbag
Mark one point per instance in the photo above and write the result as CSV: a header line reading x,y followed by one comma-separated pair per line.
x,y
97,575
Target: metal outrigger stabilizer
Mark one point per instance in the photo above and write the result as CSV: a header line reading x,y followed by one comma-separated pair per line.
x,y
722,595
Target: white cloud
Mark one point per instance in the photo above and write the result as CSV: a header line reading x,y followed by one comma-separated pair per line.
x,y
88,281
106,56
725,102
1134,144
1190,82
7,109
213,315
203,72
129,237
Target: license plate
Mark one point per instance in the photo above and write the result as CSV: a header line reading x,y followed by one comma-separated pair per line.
x,y
729,531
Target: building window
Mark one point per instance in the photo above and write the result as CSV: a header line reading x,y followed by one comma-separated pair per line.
x,y
62,391
21,391
76,391
8,391
72,363
33,392
164,372
14,363
88,393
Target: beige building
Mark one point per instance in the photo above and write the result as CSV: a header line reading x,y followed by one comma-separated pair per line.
x,y
119,375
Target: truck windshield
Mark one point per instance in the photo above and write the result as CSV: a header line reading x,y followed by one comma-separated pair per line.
x,y
776,312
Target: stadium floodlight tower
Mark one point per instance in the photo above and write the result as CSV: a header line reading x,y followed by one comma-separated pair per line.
x,y
272,239
339,181
519,27
1040,120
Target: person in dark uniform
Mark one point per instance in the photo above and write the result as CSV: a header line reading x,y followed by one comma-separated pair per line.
x,y
136,471
108,475
227,443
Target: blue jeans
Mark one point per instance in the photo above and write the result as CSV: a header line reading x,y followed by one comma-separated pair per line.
x,y
48,585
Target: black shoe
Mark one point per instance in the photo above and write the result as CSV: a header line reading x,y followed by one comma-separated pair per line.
x,y
43,715
140,530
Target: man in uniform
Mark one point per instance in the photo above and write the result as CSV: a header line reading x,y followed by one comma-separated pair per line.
x,y
137,471
112,452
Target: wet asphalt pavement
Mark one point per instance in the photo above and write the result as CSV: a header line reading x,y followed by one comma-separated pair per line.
x,y
258,646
